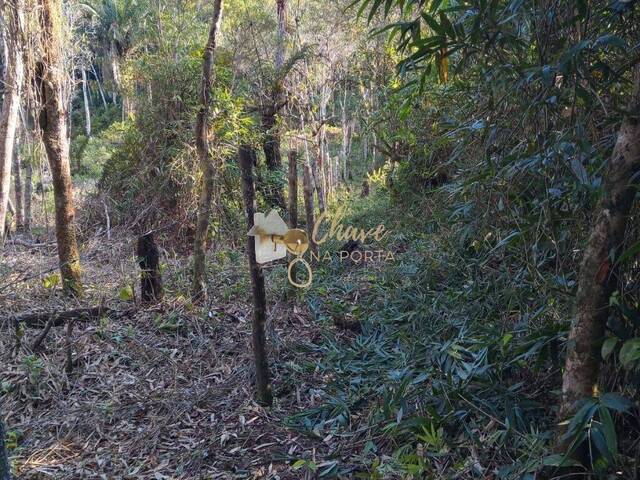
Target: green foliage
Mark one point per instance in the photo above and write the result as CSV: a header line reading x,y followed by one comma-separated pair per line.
x,y
456,372
33,367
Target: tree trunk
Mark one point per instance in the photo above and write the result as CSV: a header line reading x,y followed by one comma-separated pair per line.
x,y
54,135
346,136
150,276
271,146
85,100
95,74
318,175
199,285
13,80
17,187
308,207
28,191
596,280
263,379
5,466
281,8
293,189
3,60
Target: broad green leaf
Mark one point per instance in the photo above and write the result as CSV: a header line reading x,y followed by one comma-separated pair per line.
x,y
608,429
558,460
610,41
630,252
630,352
608,346
601,444
446,25
616,402
51,281
298,464
126,293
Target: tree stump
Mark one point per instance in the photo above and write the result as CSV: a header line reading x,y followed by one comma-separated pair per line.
x,y
150,276
365,189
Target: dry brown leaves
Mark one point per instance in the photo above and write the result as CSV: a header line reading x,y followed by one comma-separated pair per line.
x,y
153,396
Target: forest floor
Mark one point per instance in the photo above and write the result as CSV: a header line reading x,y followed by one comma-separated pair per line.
x,y
167,392
163,393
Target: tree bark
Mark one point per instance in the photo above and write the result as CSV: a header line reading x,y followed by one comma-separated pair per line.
x,y
281,10
87,108
317,168
308,207
13,15
54,135
293,189
596,280
263,378
17,187
28,192
150,276
199,284
346,137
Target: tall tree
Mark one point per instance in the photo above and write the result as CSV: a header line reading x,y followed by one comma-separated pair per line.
x,y
597,271
53,114
13,13
199,288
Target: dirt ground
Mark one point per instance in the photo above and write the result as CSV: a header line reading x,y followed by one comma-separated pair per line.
x,y
163,392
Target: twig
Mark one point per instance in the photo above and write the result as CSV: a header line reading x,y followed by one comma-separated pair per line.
x,y
43,334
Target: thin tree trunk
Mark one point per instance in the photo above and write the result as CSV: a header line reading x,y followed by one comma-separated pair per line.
x,y
281,9
3,64
345,135
199,285
308,207
150,276
365,145
322,183
13,80
293,189
95,74
17,186
85,100
318,175
54,134
374,151
596,280
28,192
263,378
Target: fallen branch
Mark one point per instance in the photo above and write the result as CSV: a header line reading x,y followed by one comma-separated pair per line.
x,y
57,319
25,243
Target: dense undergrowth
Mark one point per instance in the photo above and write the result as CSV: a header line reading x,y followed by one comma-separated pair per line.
x,y
456,370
